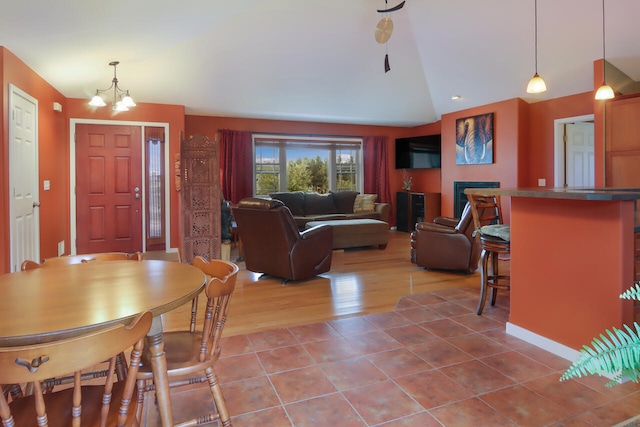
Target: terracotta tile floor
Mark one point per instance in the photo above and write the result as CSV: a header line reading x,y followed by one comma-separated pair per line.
x,y
430,362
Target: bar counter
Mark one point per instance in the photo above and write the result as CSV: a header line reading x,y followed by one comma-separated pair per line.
x,y
572,254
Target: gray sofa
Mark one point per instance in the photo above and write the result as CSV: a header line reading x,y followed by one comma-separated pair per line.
x,y
306,207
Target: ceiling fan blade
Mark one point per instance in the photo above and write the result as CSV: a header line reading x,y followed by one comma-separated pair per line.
x,y
392,9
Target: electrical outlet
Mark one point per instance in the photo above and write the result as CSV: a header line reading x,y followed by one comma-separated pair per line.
x,y
542,182
61,248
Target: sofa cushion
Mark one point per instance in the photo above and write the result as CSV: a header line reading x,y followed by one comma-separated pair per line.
x,y
293,200
364,203
315,204
343,201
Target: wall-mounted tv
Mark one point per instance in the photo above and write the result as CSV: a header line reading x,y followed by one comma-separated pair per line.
x,y
418,152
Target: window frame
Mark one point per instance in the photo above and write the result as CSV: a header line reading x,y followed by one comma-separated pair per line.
x,y
331,143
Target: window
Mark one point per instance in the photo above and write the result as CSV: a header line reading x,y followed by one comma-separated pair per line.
x,y
317,165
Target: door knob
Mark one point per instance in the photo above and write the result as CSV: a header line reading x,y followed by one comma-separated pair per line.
x,y
36,204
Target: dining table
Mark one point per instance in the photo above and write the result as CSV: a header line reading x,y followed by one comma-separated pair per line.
x,y
47,304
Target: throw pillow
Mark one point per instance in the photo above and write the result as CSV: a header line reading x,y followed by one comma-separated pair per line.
x,y
344,201
293,200
315,204
364,203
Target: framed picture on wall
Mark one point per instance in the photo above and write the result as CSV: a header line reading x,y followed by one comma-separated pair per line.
x,y
474,140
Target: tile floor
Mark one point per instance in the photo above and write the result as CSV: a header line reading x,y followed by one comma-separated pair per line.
x,y
430,362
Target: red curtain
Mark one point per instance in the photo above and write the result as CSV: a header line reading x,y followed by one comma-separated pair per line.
x,y
236,165
376,168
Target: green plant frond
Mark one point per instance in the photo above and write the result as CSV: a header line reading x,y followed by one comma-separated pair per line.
x,y
632,293
619,355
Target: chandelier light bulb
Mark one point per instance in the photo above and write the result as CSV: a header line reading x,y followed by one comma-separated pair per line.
x,y
97,101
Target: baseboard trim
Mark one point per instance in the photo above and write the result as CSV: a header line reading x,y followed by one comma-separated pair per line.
x,y
542,342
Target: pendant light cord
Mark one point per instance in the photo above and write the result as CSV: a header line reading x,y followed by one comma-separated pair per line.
x,y
603,44
536,31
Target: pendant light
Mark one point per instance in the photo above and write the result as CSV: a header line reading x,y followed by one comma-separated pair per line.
x,y
536,84
605,91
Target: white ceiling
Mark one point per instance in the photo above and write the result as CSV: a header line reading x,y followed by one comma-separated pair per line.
x,y
318,60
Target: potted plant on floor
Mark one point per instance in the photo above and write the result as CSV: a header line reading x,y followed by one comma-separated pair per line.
x,y
617,353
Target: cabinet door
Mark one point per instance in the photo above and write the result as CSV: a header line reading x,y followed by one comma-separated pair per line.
x,y
402,211
417,209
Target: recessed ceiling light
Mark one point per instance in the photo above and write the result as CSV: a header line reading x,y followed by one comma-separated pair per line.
x,y
454,97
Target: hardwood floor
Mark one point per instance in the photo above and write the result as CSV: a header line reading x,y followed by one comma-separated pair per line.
x,y
361,281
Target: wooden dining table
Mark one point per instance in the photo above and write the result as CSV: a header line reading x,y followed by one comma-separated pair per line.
x,y
53,303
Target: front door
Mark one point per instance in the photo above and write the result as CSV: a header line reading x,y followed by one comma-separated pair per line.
x,y
108,188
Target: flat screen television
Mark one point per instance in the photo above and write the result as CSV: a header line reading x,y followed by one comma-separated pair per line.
x,y
418,152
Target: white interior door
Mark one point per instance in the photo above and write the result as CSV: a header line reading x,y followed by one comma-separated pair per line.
x,y
23,177
574,162
580,157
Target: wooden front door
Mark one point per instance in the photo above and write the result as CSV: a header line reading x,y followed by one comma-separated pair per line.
x,y
108,188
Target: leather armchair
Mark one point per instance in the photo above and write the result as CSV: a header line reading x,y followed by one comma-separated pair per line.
x,y
274,246
446,243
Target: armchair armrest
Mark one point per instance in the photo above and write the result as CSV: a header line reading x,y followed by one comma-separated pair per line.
x,y
319,231
449,222
435,228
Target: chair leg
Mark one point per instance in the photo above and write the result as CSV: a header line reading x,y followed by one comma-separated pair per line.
x,y
218,398
484,258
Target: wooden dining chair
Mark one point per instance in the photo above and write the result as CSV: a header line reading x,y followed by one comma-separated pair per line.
x,y
81,259
107,404
494,241
191,354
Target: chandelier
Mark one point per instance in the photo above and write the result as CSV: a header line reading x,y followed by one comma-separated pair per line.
x,y
120,99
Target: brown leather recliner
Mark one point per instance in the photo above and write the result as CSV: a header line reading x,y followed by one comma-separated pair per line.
x,y
274,246
446,243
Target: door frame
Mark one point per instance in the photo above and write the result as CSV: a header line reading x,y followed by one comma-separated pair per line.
x,y
16,91
168,173
558,146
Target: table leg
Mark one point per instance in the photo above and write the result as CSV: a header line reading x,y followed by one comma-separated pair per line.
x,y
155,342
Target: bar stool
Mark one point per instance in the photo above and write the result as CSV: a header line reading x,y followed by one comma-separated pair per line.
x,y
494,241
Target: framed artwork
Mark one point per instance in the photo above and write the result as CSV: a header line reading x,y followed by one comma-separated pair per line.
x,y
474,140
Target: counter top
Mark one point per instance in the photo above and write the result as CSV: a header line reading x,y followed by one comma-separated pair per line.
x,y
562,193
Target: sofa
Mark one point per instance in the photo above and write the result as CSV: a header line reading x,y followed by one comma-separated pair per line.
x,y
306,207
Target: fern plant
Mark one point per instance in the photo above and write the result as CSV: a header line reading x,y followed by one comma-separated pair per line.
x,y
617,353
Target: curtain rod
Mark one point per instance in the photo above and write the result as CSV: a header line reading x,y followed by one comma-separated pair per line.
x,y
301,134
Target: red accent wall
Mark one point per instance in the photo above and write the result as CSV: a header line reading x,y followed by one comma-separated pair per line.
x,y
53,161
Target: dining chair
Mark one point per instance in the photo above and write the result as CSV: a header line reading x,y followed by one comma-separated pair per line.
x,y
81,259
107,404
495,240
191,354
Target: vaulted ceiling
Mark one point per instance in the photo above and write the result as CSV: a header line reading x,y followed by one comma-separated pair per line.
x,y
318,60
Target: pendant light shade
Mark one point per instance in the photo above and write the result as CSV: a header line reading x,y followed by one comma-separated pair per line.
x,y
536,84
604,91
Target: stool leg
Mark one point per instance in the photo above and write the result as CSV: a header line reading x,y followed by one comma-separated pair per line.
x,y
484,258
495,274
